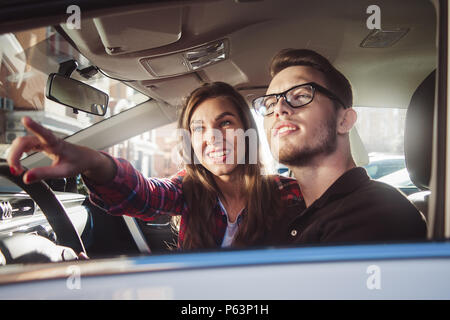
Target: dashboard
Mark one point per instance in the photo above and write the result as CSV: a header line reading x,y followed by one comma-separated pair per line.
x,y
25,234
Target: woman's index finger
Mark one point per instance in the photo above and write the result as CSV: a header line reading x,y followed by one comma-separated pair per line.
x,y
43,134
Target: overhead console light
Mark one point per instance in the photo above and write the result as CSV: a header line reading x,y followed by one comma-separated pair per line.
x,y
187,61
383,38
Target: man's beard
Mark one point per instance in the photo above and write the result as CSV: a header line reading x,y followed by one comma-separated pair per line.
x,y
324,143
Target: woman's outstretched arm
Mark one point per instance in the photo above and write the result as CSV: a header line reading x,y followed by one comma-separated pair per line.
x,y
68,159
113,183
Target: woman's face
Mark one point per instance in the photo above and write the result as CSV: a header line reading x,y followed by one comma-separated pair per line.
x,y
214,128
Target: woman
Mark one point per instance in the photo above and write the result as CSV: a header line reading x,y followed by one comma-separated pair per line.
x,y
221,195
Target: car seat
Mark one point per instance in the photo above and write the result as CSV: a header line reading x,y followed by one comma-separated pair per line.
x,y
418,141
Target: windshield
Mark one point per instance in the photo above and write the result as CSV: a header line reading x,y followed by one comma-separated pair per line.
x,y
26,60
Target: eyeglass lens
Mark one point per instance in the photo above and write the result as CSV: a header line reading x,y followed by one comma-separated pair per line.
x,y
296,97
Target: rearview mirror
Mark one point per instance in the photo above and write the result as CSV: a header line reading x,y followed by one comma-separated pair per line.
x,y
76,94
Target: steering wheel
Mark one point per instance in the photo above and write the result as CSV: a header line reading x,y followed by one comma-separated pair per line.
x,y
56,215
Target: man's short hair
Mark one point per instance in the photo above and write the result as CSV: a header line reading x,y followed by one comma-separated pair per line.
x,y
335,80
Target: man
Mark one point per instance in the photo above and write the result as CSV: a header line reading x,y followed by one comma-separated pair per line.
x,y
307,119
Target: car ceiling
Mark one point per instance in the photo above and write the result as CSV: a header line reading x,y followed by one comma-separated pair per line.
x,y
255,31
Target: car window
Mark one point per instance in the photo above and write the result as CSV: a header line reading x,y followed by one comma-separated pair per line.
x,y
378,168
153,153
382,131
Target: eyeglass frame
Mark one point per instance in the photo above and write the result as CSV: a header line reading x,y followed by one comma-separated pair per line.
x,y
314,86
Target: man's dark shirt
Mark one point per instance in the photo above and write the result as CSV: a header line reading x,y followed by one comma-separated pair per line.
x,y
353,209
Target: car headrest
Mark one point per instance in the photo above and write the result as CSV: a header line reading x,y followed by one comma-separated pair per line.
x,y
419,132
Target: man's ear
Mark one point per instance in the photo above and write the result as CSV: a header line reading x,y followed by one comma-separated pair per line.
x,y
346,120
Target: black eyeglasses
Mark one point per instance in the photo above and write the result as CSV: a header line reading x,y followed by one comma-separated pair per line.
x,y
295,97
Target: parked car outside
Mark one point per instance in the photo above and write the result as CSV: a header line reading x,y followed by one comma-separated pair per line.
x,y
401,180
382,165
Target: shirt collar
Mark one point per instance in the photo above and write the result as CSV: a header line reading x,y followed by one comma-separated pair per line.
x,y
224,212
345,184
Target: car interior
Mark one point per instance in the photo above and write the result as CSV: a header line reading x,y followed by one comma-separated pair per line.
x,y
164,50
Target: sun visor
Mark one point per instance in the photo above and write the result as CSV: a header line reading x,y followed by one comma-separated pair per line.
x,y
164,89
226,71
250,93
140,30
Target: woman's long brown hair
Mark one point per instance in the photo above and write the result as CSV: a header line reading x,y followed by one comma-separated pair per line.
x,y
201,192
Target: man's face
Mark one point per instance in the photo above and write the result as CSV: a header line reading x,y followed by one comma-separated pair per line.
x,y
298,135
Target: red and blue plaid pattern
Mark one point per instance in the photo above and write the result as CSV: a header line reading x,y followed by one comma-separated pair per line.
x,y
130,193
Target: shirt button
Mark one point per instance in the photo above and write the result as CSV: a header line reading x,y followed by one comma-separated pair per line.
x,y
293,232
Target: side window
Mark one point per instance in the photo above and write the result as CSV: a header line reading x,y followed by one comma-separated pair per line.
x,y
382,132
153,153
372,170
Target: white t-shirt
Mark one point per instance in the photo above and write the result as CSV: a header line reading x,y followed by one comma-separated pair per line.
x,y
231,228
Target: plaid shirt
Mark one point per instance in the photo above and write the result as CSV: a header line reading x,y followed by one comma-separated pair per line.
x,y
132,194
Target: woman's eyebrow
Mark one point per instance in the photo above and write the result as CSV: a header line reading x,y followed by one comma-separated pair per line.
x,y
220,116
224,114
